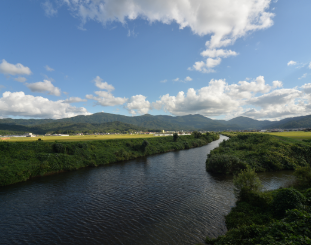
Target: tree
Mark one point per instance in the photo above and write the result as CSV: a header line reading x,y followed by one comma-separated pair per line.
x,y
175,137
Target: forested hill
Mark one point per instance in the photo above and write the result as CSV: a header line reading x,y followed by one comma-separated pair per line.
x,y
158,122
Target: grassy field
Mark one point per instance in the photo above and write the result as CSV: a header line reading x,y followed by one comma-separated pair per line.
x,y
78,137
299,135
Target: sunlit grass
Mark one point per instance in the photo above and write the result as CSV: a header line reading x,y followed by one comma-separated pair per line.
x,y
299,135
79,137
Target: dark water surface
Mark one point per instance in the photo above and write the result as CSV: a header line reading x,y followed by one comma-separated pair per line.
x,y
161,199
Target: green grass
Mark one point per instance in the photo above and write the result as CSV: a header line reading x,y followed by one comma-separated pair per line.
x,y
79,137
261,152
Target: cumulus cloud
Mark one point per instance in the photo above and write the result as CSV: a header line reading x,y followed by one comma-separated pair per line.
x,y
309,65
74,100
45,86
105,98
306,88
277,84
213,53
291,63
49,68
226,20
246,90
19,104
210,101
11,69
278,104
163,81
20,79
206,67
138,104
188,79
103,85
49,9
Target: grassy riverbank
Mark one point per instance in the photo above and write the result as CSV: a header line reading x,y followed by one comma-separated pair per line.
x,y
22,160
281,216
260,152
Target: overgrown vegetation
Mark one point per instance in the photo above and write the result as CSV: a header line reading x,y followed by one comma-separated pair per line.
x,y
281,216
22,160
260,152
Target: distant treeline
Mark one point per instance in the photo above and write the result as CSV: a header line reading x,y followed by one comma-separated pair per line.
x,y
22,160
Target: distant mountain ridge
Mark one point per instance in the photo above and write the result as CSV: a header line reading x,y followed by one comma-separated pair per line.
x,y
157,122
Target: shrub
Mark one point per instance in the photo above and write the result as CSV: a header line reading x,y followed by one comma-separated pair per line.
x,y
285,199
303,175
224,164
196,134
246,182
175,137
59,148
144,145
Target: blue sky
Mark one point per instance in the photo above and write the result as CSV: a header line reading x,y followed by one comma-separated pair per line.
x,y
61,58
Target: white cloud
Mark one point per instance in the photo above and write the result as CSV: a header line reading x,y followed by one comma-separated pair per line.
x,y
206,67
49,68
19,104
20,79
138,104
103,85
245,90
306,88
10,69
208,101
279,104
213,53
303,76
291,63
74,100
188,79
45,86
309,65
163,81
49,9
277,84
226,20
106,99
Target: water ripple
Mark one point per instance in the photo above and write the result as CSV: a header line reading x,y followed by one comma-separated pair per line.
x,y
161,199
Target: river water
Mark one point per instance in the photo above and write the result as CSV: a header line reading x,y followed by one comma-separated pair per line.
x,y
162,199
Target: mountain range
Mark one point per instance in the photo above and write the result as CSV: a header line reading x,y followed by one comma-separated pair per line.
x,y
106,121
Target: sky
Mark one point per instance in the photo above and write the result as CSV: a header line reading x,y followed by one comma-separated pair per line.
x,y
220,59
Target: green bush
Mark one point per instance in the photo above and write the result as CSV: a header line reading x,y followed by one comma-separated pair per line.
x,y
246,182
286,199
224,164
303,175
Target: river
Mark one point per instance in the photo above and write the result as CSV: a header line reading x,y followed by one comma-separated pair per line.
x,y
162,199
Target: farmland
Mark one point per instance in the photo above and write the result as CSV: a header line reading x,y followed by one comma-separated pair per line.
x,y
79,137
299,135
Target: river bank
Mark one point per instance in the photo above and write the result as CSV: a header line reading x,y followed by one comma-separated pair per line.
x,y
281,216
21,161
